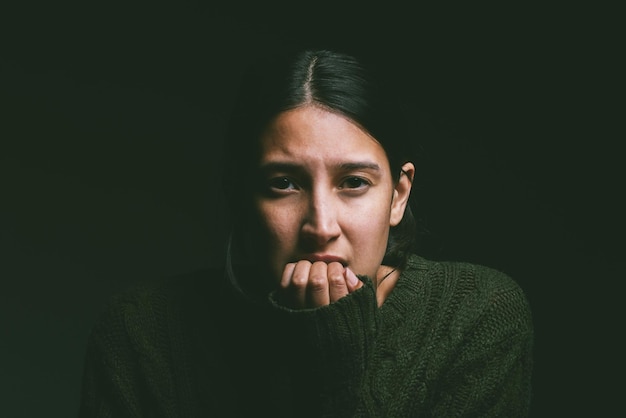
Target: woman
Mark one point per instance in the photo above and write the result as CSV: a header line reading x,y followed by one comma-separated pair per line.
x,y
322,308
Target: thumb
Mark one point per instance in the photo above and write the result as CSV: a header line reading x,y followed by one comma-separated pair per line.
x,y
352,281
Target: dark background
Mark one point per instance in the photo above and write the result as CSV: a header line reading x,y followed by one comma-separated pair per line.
x,y
111,122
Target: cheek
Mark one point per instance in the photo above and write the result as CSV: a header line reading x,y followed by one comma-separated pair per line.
x,y
369,229
369,243
279,224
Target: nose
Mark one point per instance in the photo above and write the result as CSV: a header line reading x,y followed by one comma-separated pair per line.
x,y
321,225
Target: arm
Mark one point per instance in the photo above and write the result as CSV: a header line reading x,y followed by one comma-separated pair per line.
x,y
327,350
490,376
127,362
109,387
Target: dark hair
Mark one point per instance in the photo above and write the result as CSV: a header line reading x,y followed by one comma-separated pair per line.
x,y
335,81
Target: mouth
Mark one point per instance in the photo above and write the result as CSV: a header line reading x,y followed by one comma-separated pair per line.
x,y
326,258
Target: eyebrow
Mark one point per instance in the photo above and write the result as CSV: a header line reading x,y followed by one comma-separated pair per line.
x,y
345,166
364,165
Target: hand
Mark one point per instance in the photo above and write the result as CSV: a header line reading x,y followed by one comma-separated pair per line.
x,y
310,285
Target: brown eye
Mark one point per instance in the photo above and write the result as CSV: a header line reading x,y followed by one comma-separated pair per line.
x,y
281,183
354,183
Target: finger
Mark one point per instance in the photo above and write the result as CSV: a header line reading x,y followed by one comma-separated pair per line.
x,y
284,290
352,281
337,287
287,273
296,287
317,286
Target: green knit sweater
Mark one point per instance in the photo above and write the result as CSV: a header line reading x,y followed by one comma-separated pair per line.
x,y
452,340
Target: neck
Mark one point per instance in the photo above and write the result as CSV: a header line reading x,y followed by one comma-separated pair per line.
x,y
386,279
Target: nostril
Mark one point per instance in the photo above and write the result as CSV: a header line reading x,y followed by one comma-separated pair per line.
x,y
319,235
321,223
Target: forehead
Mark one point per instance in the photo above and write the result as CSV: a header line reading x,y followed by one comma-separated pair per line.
x,y
312,134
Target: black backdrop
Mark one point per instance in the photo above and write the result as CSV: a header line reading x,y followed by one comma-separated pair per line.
x,y
112,118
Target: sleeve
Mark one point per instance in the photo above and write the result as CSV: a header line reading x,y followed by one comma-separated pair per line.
x,y
328,350
491,373
109,381
127,363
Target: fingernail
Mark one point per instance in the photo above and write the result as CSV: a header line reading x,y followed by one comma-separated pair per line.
x,y
351,277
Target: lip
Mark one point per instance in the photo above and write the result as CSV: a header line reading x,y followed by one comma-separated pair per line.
x,y
326,258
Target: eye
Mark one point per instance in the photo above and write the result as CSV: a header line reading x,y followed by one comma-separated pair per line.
x,y
281,183
354,183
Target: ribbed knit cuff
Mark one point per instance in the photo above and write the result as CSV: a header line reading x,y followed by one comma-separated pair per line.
x,y
328,347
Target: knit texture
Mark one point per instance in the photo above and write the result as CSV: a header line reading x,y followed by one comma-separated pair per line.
x,y
452,339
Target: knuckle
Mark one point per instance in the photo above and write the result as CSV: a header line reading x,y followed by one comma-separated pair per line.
x,y
300,274
298,281
335,279
317,282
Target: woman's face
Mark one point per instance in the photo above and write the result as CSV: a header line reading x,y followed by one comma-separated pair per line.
x,y
326,193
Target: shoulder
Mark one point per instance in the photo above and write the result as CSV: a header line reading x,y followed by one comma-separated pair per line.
x,y
147,298
143,314
471,294
461,277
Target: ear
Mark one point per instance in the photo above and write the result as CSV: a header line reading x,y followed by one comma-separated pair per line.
x,y
401,194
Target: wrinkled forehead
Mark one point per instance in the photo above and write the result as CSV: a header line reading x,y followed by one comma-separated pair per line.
x,y
312,133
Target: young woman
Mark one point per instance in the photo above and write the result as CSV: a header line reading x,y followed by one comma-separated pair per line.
x,y
322,308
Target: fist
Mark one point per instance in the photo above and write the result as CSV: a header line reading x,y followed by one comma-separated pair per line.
x,y
310,285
